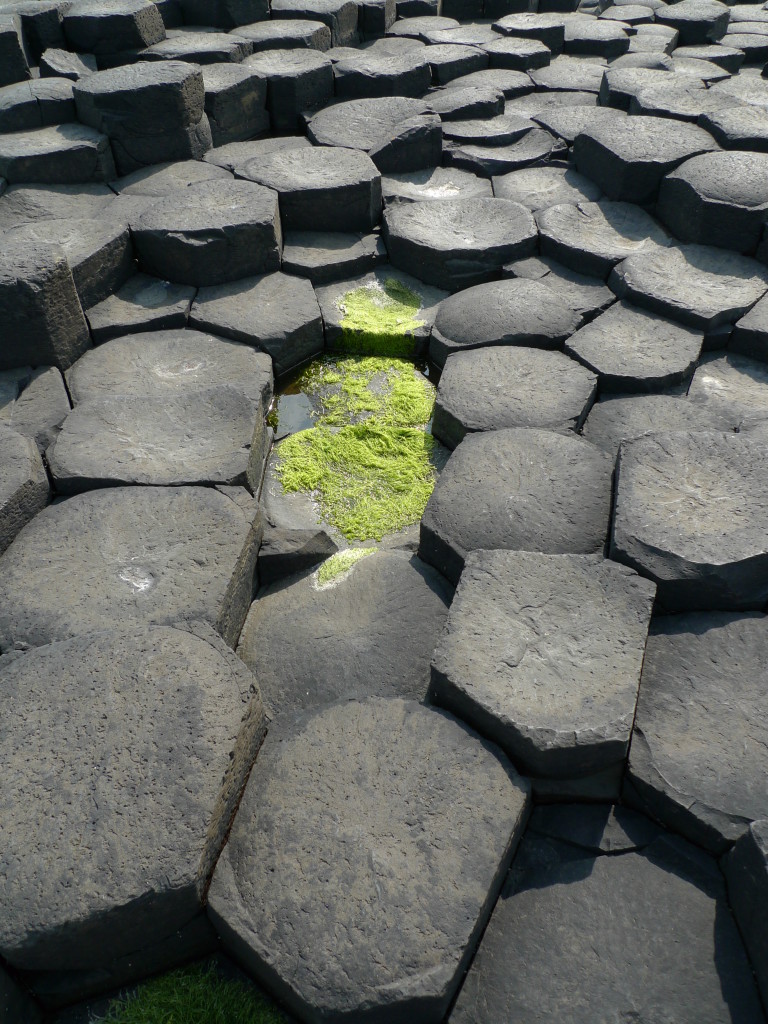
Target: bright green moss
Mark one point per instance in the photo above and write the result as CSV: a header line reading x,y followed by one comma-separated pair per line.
x,y
386,392
194,995
335,566
380,319
367,480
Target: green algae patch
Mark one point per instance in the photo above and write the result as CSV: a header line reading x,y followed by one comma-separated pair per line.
x,y
340,563
380,319
373,389
194,995
367,480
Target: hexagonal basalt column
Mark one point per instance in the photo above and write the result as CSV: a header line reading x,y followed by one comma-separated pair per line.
x,y
364,859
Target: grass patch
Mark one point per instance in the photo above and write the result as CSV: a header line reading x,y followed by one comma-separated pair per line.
x,y
380,319
194,995
340,563
374,389
368,480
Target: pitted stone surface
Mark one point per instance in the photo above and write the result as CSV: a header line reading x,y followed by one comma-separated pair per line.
x,y
324,256
170,363
538,188
298,80
144,303
568,122
131,767
506,386
434,183
320,188
277,313
454,243
694,284
162,179
374,74
24,486
365,900
583,293
533,148
542,654
516,312
732,388
371,631
631,349
213,435
698,759
65,154
132,554
212,233
517,490
628,159
593,237
717,199
617,936
691,513
618,418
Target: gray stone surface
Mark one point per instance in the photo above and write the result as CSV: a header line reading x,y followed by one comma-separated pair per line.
x,y
465,101
286,551
99,252
234,102
542,654
36,104
320,188
387,828
691,514
583,293
717,199
517,54
235,153
298,81
200,48
15,59
93,26
516,312
643,935
533,148
20,204
341,16
698,757
144,303
434,183
374,74
282,34
399,136
743,127
24,488
697,21
568,73
226,14
494,131
517,490
732,389
618,418
151,555
62,155
454,243
131,766
682,98
15,1004
213,435
750,334
370,631
214,233
538,188
593,237
325,256
568,122
277,313
628,159
547,28
746,870
63,64
631,349
695,284
41,319
450,60
598,828
36,403
507,386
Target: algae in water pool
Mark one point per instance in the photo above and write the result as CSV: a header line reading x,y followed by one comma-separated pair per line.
x,y
380,319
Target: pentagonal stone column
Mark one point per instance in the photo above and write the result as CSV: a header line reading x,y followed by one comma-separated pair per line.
x,y
519,490
130,554
149,735
698,759
321,188
212,233
366,627
692,514
542,654
298,80
235,98
107,29
365,856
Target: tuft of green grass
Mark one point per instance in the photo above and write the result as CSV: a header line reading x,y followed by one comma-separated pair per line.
x,y
380,319
340,563
194,995
368,480
375,389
